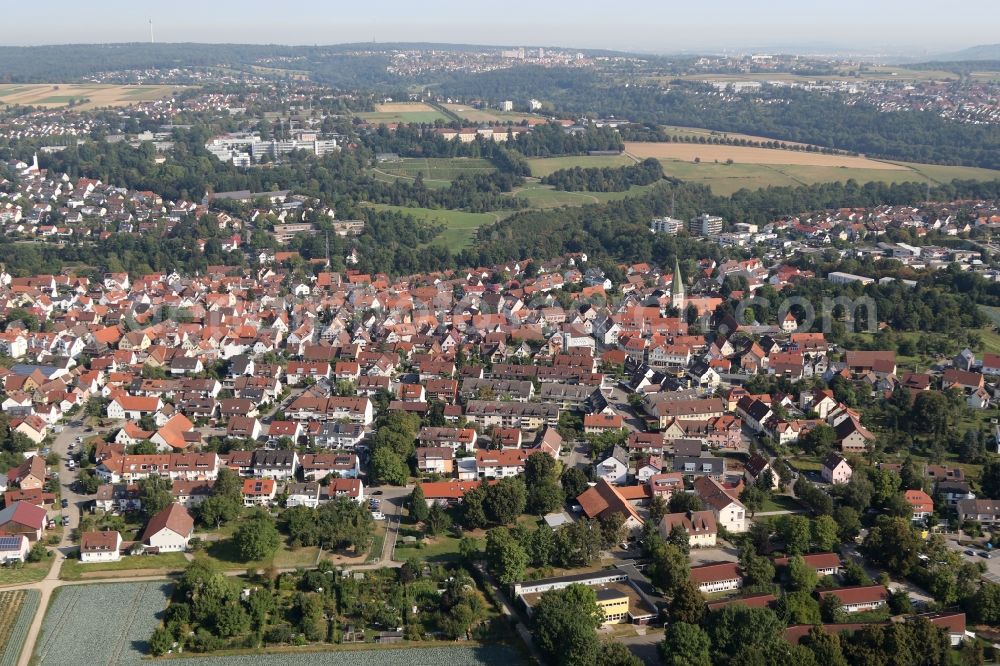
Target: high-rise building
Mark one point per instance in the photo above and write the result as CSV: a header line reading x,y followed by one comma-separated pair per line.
x,y
706,225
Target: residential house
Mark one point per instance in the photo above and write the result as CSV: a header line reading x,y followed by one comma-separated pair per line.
x,y
920,502
259,492
614,468
435,460
729,511
103,546
302,494
169,530
836,470
700,526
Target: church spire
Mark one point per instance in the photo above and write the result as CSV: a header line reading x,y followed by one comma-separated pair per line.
x,y
677,288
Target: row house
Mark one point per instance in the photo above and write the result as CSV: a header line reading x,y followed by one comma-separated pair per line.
x,y
506,414
318,466
457,439
173,466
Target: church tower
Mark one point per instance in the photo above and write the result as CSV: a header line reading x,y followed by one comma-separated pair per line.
x,y
677,289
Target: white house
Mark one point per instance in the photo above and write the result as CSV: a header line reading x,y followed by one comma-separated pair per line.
x,y
100,546
614,468
169,530
729,511
14,548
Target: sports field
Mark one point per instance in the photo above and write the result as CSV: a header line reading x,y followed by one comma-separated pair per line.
x,y
491,115
754,168
53,95
543,166
403,112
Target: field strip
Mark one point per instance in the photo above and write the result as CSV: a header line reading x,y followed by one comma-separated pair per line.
x,y
19,630
133,612
44,646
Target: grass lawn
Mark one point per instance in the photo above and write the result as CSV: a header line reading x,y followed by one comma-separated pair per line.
x,y
73,569
781,503
226,556
543,166
461,226
431,549
378,542
805,463
32,572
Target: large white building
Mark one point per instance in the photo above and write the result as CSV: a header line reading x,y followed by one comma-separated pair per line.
x,y
706,225
665,225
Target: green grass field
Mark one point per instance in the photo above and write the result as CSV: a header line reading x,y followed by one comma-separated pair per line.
x,y
402,117
543,166
32,572
461,226
545,196
724,179
434,168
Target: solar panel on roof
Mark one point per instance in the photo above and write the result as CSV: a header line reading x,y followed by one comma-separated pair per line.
x,y
9,542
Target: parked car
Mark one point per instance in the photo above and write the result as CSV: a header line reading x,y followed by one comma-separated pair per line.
x,y
985,554
65,521
970,552
65,503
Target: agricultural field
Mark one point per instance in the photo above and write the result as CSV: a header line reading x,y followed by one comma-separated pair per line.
x,y
543,166
17,608
369,655
127,615
688,152
403,112
491,115
461,226
437,171
754,168
60,94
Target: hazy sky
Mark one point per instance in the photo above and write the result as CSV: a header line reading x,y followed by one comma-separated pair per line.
x,y
665,26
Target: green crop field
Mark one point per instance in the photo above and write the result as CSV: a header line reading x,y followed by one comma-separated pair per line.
x,y
543,166
129,612
17,609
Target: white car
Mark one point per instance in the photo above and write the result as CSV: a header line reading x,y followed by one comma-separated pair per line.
x,y
378,515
